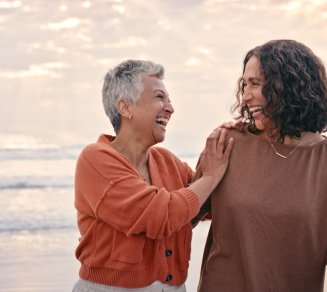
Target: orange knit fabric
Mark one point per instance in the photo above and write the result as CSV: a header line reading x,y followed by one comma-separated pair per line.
x,y
132,233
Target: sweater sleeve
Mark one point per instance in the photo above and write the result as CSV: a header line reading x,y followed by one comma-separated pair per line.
x,y
109,188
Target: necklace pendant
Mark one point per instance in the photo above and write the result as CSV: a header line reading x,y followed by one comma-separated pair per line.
x,y
281,155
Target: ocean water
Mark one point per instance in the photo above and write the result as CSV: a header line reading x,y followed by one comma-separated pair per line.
x,y
38,230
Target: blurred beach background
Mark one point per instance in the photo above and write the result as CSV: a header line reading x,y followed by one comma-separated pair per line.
x,y
54,55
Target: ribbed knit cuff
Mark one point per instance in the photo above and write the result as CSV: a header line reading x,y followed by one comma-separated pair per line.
x,y
193,202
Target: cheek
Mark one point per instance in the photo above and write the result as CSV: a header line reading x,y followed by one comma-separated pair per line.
x,y
261,98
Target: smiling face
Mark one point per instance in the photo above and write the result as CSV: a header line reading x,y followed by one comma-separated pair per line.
x,y
252,84
151,113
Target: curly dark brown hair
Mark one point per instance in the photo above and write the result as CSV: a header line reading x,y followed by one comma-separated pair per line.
x,y
295,87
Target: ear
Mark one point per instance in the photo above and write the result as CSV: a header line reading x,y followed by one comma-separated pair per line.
x,y
124,108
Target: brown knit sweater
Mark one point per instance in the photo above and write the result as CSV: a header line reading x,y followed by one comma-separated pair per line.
x,y
269,228
132,233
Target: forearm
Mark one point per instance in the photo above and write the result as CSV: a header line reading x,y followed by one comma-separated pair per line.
x,y
204,186
204,211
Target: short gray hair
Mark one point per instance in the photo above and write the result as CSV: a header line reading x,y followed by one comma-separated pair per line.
x,y
125,82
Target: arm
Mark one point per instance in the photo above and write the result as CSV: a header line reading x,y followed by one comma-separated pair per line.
x,y
109,188
204,213
205,209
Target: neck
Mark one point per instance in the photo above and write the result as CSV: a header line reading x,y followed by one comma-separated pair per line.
x,y
131,148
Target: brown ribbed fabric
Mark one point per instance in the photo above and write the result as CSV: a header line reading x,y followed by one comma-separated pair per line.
x,y
133,233
269,228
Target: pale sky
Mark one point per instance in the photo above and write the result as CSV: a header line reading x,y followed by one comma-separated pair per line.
x,y
54,55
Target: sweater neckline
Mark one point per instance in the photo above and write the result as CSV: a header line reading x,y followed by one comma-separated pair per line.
x,y
287,146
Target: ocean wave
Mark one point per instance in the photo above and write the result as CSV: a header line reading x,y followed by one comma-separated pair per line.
x,y
36,182
57,153
19,229
37,209
49,220
64,152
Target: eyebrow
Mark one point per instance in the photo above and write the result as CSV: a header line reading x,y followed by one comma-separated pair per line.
x,y
161,91
252,79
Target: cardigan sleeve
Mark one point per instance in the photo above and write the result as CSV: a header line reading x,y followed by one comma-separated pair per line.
x,y
109,188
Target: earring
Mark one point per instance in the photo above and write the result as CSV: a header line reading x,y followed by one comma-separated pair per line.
x,y
129,117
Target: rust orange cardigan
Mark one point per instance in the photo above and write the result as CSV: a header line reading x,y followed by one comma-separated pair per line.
x,y
132,233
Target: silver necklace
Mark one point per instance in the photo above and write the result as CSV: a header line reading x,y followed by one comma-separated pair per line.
x,y
281,155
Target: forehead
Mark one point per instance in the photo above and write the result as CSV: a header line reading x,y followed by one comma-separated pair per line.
x,y
152,83
253,69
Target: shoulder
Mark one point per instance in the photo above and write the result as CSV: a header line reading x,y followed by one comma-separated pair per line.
x,y
101,148
164,156
163,153
102,152
102,158
156,150
240,135
246,143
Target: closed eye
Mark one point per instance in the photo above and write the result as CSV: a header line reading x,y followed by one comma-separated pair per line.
x,y
243,85
163,97
252,84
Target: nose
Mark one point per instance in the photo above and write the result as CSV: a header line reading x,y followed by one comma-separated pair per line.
x,y
169,107
246,96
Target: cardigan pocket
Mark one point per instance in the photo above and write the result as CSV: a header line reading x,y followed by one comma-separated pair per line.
x,y
128,249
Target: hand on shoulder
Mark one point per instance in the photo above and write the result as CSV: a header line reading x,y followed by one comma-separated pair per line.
x,y
237,124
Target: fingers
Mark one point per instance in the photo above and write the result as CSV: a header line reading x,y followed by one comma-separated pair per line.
x,y
226,151
228,125
212,140
233,124
221,141
215,156
239,122
229,148
216,143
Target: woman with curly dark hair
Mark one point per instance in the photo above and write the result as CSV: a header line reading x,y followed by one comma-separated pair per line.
x,y
269,223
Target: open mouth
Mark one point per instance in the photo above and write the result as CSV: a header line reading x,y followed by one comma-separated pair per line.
x,y
250,112
255,109
162,122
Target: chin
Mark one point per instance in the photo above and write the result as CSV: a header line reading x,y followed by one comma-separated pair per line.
x,y
259,125
160,139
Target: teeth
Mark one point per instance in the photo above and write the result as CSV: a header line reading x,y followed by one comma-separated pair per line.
x,y
255,108
162,121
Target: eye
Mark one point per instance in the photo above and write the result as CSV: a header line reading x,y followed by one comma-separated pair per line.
x,y
243,85
160,96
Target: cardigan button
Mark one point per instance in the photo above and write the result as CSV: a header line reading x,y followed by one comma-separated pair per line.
x,y
169,277
168,252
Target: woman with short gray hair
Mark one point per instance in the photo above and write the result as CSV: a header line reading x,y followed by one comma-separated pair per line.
x,y
135,201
